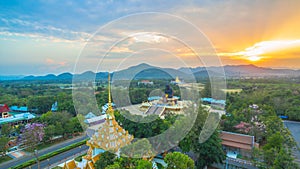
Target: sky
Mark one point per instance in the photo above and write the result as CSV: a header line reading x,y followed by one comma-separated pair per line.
x,y
43,37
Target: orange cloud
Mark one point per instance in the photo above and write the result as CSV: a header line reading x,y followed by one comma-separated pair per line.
x,y
266,49
55,64
49,61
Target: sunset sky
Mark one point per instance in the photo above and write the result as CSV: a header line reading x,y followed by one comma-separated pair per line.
x,y
38,37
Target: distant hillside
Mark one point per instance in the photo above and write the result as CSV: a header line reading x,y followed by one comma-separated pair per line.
x,y
244,71
15,77
65,76
145,71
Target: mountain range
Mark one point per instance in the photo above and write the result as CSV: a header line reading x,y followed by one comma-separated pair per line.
x,y
145,71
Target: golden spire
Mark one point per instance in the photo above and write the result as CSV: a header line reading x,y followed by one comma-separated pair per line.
x,y
110,136
110,109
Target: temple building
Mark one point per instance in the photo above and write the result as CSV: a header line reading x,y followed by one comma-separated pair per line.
x,y
14,116
145,82
110,136
4,109
54,107
177,81
235,143
160,104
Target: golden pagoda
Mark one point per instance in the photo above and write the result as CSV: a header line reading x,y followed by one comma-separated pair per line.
x,y
177,80
108,137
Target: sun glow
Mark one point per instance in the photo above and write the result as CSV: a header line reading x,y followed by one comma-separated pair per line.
x,y
276,49
254,58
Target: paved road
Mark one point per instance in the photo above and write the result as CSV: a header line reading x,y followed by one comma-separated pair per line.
x,y
61,158
17,161
294,127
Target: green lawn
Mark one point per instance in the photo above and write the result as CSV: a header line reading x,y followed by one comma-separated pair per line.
x,y
57,167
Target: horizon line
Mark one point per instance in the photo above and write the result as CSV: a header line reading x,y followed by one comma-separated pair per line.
x,y
56,74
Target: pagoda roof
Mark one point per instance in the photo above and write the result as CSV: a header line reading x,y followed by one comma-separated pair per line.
x,y
110,136
70,165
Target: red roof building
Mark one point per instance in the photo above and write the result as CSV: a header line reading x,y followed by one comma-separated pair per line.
x,y
238,143
243,127
4,109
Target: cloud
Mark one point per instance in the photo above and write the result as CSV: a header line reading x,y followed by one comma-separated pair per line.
x,y
62,63
49,61
54,64
148,37
267,49
18,27
121,49
37,37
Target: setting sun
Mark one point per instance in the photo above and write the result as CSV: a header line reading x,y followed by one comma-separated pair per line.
x,y
254,58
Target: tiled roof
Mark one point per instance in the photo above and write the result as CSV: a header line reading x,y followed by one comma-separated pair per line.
x,y
70,165
237,140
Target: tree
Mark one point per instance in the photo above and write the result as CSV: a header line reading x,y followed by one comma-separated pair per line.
x,y
113,166
107,158
144,164
76,123
139,149
206,92
61,120
274,125
284,160
33,134
3,144
49,131
53,118
59,130
274,141
178,160
125,162
69,127
6,129
65,103
41,103
208,152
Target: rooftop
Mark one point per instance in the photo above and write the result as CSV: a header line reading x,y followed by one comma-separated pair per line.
x,y
4,108
17,117
16,108
237,140
214,101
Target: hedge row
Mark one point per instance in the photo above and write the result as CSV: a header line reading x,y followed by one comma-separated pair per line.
x,y
49,155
